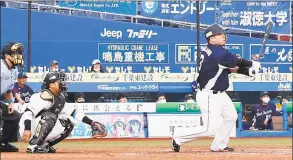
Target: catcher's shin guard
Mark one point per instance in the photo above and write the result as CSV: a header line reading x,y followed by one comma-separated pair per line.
x,y
68,127
43,129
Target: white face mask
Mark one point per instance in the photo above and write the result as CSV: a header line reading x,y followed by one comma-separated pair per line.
x,y
284,102
266,99
55,69
190,101
162,101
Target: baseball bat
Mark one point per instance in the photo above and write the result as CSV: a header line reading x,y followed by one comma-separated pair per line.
x,y
265,39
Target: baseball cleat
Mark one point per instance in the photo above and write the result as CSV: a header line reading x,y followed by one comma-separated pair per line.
x,y
175,146
36,149
51,149
7,147
227,149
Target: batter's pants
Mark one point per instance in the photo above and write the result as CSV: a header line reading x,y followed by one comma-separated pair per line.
x,y
219,117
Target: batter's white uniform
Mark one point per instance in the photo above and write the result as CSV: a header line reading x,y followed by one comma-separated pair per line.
x,y
36,105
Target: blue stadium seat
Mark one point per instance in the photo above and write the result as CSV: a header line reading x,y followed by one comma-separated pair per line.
x,y
79,13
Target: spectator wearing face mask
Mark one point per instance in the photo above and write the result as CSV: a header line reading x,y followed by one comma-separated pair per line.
x,y
54,66
79,97
262,114
97,66
122,98
189,98
161,98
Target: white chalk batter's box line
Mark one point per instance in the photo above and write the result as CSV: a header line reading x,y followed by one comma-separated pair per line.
x,y
109,63
277,45
176,60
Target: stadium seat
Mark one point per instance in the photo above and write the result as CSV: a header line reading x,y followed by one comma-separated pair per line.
x,y
50,2
107,16
39,2
12,4
93,14
79,13
63,11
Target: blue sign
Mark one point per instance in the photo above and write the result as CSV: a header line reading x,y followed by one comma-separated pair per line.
x,y
179,10
76,41
120,7
277,57
255,15
260,86
187,53
133,53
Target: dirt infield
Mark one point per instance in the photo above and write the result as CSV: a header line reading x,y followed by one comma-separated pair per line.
x,y
247,148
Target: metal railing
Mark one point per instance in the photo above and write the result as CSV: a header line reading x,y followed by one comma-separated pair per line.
x,y
136,18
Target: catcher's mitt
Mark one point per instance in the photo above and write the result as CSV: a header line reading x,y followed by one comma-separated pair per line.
x,y
98,130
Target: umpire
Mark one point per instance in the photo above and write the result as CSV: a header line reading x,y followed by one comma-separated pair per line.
x,y
12,56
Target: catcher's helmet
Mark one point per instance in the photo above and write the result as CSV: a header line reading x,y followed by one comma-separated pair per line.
x,y
52,77
15,50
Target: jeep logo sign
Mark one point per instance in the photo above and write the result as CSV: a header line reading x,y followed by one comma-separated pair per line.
x,y
111,34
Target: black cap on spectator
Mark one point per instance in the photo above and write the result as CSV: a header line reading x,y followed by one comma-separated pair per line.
x,y
121,95
189,96
78,95
264,93
159,95
53,63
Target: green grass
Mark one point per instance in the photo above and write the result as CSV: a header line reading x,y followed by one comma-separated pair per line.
x,y
280,142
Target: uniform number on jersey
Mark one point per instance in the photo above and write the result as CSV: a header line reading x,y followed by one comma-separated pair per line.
x,y
200,61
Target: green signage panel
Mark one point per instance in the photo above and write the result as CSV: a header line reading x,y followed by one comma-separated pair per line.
x,y
289,107
184,107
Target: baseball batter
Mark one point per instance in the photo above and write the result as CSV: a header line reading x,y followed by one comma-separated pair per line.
x,y
12,57
49,120
215,65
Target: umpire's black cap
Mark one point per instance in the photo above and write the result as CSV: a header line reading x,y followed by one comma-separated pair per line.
x,y
213,30
264,93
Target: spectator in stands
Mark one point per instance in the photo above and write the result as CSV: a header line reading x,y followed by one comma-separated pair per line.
x,y
161,98
189,98
97,66
79,97
122,98
54,66
21,90
262,114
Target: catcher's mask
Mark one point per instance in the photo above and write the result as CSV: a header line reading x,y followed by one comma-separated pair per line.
x,y
15,50
56,76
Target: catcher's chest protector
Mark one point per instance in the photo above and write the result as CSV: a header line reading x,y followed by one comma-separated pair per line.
x,y
59,102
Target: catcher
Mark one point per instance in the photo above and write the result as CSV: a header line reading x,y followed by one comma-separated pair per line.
x,y
47,121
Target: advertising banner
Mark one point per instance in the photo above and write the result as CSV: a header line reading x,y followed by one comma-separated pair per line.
x,y
121,7
162,125
118,126
179,10
255,15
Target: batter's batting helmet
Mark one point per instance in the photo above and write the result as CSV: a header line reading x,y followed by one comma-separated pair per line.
x,y
213,30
